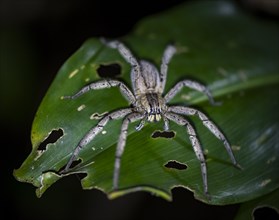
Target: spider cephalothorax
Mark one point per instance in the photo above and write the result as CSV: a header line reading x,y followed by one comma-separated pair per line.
x,y
149,104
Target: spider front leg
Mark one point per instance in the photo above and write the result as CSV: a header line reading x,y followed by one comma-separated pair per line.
x,y
106,83
138,81
209,124
94,132
192,85
121,145
123,50
167,56
195,143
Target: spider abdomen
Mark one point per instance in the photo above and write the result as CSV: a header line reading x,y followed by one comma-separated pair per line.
x,y
146,78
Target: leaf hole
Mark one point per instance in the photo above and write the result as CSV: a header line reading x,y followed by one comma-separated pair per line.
x,y
265,213
173,164
163,134
52,138
109,71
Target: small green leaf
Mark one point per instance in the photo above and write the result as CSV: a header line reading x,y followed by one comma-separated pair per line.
x,y
236,55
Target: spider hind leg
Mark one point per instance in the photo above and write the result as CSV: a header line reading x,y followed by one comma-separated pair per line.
x,y
210,126
195,144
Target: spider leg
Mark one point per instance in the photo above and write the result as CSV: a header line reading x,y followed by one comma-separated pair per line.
x,y
209,124
94,131
137,79
193,85
121,145
195,143
125,53
123,50
166,123
168,54
141,124
106,83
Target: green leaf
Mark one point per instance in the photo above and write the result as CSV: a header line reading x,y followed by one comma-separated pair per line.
x,y
235,54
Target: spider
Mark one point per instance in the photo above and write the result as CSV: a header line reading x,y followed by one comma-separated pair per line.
x,y
149,104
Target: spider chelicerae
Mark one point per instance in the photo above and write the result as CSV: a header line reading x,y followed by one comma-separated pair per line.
x,y
149,104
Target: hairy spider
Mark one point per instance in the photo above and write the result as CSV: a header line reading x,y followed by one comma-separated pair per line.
x,y
149,104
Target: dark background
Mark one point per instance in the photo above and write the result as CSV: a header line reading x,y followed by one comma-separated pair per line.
x,y
36,38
